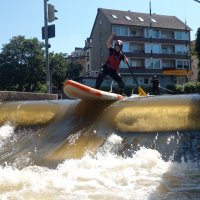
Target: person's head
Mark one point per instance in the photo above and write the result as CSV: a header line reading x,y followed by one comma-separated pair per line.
x,y
118,45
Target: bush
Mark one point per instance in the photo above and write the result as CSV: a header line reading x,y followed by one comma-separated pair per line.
x,y
189,88
197,84
179,89
41,88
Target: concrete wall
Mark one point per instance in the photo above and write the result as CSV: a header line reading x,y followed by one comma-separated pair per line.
x,y
24,96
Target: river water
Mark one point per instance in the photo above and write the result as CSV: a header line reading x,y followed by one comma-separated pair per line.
x,y
134,149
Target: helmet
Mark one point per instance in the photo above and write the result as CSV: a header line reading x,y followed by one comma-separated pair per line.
x,y
119,43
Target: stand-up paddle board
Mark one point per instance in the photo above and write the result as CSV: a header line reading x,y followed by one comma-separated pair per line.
x,y
77,90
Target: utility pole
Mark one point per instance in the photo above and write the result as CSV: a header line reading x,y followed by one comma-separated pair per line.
x,y
151,34
48,32
48,79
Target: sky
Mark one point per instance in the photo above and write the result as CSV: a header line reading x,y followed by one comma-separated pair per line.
x,y
76,18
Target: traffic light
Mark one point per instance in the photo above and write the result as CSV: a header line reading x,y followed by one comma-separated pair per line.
x,y
51,13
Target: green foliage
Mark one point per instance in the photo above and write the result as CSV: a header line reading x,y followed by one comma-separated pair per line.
x,y
58,65
73,70
186,88
179,89
189,88
42,88
23,68
22,64
198,86
197,45
197,49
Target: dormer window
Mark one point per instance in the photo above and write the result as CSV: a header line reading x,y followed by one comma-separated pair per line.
x,y
128,18
153,20
114,16
141,19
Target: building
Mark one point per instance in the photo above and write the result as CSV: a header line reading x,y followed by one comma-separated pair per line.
x,y
154,44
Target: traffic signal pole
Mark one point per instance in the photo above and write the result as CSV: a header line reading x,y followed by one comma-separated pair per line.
x,y
48,73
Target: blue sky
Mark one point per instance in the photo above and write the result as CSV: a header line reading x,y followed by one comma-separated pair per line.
x,y
76,18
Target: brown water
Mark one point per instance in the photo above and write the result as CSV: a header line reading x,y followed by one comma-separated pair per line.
x,y
138,148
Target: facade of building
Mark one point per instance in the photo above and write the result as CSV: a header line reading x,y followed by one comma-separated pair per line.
x,y
154,44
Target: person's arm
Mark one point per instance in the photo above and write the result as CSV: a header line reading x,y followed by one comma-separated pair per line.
x,y
125,59
109,41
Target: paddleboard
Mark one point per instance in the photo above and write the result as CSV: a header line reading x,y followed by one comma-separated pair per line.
x,y
77,90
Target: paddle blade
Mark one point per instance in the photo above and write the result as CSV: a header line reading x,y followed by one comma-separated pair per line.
x,y
141,91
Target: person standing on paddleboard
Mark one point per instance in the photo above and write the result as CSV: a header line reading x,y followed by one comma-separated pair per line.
x,y
111,66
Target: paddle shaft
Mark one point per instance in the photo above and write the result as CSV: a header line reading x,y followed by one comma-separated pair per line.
x,y
132,73
166,89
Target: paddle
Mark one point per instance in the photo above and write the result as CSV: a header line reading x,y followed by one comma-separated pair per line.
x,y
166,89
140,90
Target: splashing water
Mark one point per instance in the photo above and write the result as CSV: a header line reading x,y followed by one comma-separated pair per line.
x,y
103,176
5,132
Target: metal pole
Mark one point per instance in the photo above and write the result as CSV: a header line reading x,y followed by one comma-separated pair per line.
x,y
197,1
48,80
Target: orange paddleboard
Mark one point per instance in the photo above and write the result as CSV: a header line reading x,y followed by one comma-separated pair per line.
x,y
77,90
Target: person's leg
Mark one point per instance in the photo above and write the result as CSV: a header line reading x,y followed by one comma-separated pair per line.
x,y
103,72
153,90
158,91
117,77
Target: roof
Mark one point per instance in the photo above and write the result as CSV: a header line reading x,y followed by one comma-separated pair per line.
x,y
161,21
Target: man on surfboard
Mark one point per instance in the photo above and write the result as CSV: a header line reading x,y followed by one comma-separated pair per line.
x,y
111,66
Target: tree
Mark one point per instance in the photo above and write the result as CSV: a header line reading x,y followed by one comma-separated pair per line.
x,y
73,70
58,65
22,65
197,49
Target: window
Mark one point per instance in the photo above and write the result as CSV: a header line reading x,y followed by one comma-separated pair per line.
x,y
136,48
154,33
128,18
168,64
182,64
126,47
133,32
181,49
147,81
120,30
140,18
153,64
168,50
164,35
135,62
114,16
153,20
181,35
164,50
124,31
154,47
